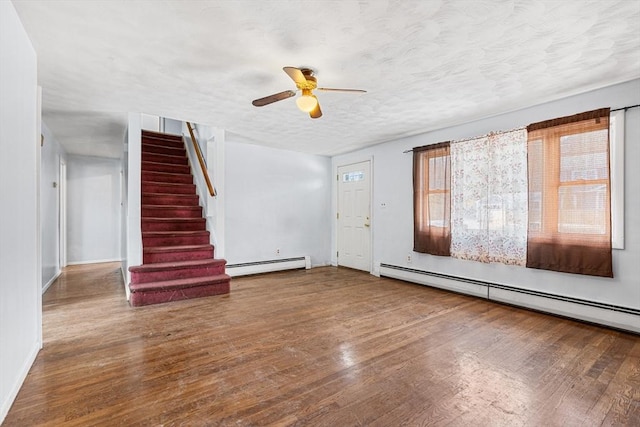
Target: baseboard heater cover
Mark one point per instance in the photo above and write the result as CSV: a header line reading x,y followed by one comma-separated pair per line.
x,y
268,266
589,311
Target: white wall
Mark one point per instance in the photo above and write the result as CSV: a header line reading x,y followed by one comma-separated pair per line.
x,y
50,155
124,226
276,199
20,289
93,209
132,175
392,225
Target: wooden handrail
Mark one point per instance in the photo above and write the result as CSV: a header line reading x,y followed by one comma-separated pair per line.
x,y
203,166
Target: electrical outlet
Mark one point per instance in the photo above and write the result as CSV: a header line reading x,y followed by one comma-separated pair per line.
x,y
278,251
409,258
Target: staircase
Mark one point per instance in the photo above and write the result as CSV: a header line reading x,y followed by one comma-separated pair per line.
x,y
177,261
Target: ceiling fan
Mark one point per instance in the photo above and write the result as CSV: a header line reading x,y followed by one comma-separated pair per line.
x,y
305,82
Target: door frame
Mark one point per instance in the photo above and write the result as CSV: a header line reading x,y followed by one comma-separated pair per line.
x,y
62,214
334,207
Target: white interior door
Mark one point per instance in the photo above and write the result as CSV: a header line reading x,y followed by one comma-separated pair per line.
x,y
354,216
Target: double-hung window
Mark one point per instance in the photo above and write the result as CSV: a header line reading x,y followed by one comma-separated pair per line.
x,y
432,199
569,194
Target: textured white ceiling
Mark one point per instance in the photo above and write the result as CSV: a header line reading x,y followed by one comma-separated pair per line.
x,y
426,64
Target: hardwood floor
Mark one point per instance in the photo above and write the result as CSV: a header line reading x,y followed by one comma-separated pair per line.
x,y
321,347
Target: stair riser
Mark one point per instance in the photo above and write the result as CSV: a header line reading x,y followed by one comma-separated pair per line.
x,y
167,178
160,149
155,241
177,256
156,297
161,158
154,187
183,273
170,200
162,167
177,212
177,225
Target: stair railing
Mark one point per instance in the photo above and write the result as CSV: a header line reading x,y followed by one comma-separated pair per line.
x,y
203,166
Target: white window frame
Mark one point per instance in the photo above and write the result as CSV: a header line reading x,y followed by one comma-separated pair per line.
x,y
616,168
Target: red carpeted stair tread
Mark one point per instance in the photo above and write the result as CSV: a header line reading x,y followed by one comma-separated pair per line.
x,y
179,283
162,266
173,224
178,248
164,158
162,139
174,233
151,147
167,187
169,211
165,167
174,238
167,177
170,199
160,254
173,270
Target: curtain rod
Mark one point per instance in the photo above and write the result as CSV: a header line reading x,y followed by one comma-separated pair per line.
x,y
468,139
626,108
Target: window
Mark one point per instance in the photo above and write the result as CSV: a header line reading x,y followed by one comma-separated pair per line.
x,y
353,176
432,199
549,196
569,193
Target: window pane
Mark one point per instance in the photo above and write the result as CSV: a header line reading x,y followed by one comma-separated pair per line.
x,y
581,209
437,177
584,156
353,176
439,209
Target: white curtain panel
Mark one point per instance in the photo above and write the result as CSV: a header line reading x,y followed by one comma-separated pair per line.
x,y
489,198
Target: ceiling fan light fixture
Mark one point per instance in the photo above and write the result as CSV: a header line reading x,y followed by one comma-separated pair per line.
x,y
307,102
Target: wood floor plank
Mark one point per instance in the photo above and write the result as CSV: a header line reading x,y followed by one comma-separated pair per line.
x,y
322,347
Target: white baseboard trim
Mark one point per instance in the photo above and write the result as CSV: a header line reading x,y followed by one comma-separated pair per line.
x,y
94,261
268,266
618,317
15,388
50,282
125,281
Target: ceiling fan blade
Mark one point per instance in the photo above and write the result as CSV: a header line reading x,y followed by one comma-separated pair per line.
x,y
273,98
295,74
316,113
329,89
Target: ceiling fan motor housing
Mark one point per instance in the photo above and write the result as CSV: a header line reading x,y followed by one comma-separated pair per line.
x,y
311,82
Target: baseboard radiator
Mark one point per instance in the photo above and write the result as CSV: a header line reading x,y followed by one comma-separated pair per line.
x,y
247,268
610,315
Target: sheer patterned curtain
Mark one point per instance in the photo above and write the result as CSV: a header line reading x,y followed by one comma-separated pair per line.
x,y
432,199
489,198
570,194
